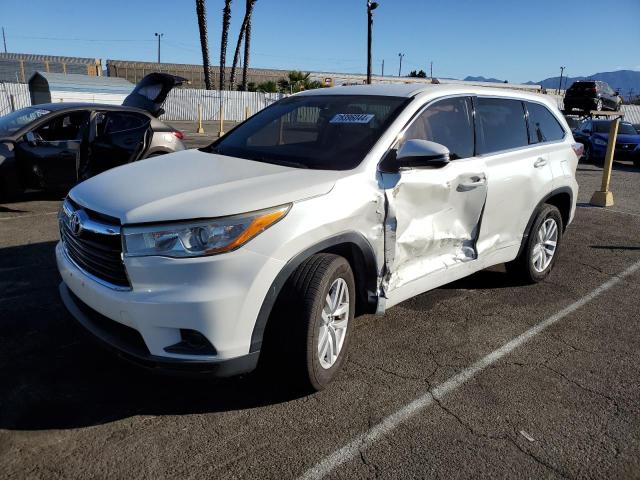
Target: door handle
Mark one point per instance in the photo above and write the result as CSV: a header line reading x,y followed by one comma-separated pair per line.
x,y
473,183
540,162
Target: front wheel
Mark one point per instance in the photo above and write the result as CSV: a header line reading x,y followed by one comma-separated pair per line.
x,y
314,318
537,258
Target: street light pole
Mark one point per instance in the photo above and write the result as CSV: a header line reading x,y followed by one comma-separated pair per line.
x,y
159,35
401,55
560,84
371,6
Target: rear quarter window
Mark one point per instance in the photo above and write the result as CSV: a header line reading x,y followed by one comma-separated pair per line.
x,y
502,124
543,125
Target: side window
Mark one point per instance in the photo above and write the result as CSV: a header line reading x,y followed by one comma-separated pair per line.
x,y
502,124
63,127
543,126
448,122
122,121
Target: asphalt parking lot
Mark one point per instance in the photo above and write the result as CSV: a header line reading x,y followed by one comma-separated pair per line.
x,y
565,403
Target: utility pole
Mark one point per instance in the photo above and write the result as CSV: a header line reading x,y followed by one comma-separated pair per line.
x,y
371,6
401,55
382,68
159,35
560,84
431,70
4,40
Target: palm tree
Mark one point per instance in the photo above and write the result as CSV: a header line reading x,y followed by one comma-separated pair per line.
x,y
247,42
202,25
226,21
236,55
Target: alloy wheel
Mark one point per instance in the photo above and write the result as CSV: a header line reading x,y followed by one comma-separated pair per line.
x,y
335,319
545,248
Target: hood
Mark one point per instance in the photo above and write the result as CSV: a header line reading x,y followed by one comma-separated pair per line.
x,y
192,184
150,93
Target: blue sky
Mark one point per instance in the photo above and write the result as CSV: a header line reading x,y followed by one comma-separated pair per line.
x,y
517,40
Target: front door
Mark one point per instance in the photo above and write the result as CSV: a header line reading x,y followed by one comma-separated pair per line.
x,y
52,158
434,214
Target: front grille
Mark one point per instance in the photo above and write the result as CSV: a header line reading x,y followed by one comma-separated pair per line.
x,y
96,253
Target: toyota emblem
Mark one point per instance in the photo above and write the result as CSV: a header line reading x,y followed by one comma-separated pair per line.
x,y
75,223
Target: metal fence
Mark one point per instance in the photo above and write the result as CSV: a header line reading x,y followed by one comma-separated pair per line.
x,y
182,104
13,96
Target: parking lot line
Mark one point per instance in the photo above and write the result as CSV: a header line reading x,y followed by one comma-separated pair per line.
x,y
391,422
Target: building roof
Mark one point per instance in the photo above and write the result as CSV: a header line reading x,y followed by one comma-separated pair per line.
x,y
32,57
78,82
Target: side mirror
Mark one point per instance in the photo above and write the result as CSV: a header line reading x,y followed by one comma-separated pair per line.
x,y
422,153
31,138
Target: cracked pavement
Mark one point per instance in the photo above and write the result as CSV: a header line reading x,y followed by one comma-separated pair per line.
x,y
564,405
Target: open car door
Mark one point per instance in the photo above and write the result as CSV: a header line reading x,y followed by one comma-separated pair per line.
x,y
116,138
151,92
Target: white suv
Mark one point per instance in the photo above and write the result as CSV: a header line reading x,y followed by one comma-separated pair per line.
x,y
327,204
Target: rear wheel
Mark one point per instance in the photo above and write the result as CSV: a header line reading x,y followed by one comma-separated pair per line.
x,y
313,321
537,258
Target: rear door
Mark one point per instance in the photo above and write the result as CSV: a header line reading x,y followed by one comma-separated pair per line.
x,y
433,214
150,93
52,160
518,173
118,137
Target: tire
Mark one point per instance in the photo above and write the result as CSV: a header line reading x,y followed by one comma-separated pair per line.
x,y
10,185
636,163
300,322
533,265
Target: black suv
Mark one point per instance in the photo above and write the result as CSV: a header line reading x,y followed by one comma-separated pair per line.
x,y
588,95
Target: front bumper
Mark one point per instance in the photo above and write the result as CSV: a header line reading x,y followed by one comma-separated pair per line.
x,y
218,296
129,345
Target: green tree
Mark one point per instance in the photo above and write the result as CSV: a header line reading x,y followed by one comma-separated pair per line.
x,y
268,87
418,74
298,81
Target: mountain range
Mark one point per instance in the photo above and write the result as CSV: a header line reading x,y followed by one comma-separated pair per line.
x,y
621,80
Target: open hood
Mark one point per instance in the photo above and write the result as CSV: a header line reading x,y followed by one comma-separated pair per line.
x,y
151,92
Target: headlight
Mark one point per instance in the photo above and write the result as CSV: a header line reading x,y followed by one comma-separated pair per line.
x,y
600,142
199,238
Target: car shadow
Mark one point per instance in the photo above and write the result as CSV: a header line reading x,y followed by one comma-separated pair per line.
x,y
54,376
495,277
34,195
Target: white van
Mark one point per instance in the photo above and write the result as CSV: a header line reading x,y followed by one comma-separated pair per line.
x,y
325,205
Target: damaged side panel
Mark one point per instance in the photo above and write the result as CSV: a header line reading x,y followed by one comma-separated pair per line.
x,y
432,220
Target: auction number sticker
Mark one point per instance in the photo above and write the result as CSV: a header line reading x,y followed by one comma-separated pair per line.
x,y
352,118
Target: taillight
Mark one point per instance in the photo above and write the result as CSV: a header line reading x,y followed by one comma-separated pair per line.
x,y
578,149
593,90
178,134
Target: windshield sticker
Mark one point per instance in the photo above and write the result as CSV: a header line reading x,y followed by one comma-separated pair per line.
x,y
352,118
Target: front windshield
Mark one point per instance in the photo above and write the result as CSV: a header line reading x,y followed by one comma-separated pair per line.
x,y
623,128
14,121
326,132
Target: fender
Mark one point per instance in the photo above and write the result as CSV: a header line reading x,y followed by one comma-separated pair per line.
x,y
525,235
370,273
